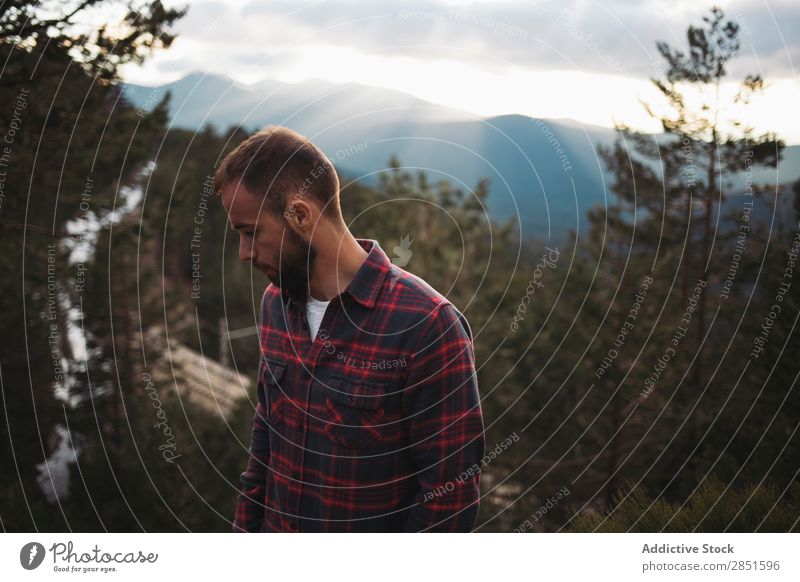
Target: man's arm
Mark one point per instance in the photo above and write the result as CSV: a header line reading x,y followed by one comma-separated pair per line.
x,y
442,403
250,505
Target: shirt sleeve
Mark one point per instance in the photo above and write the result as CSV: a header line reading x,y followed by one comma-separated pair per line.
x,y
250,505
250,508
442,403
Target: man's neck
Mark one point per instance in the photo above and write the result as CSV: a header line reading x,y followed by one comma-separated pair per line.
x,y
338,260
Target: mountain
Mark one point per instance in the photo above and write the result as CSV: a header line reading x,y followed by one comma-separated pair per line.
x,y
200,98
545,172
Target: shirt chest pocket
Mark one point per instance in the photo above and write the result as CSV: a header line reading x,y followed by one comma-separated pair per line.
x,y
361,414
272,391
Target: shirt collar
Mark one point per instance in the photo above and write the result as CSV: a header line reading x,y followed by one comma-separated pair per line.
x,y
368,281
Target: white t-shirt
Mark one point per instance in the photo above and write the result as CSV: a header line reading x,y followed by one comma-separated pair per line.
x,y
314,311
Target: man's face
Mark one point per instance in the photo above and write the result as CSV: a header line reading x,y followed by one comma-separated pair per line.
x,y
268,242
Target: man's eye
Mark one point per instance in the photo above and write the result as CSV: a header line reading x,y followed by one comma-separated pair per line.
x,y
247,234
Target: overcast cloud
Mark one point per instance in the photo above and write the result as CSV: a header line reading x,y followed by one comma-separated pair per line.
x,y
612,36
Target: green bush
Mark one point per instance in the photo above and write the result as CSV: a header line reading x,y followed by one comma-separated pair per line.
x,y
710,508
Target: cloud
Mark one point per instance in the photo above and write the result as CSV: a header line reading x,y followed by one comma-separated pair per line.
x,y
612,36
538,58
261,38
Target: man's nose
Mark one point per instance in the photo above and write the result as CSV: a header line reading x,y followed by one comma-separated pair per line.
x,y
245,249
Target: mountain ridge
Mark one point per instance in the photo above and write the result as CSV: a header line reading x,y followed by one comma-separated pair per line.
x,y
545,171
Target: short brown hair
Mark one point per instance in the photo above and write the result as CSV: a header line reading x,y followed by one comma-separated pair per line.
x,y
280,164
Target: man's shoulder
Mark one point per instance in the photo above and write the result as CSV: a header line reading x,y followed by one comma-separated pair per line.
x,y
407,289
404,290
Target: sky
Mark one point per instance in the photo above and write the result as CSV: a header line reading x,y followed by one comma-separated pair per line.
x,y
586,60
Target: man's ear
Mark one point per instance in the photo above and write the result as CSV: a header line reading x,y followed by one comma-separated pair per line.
x,y
301,215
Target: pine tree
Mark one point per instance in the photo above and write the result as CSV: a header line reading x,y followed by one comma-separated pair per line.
x,y
74,145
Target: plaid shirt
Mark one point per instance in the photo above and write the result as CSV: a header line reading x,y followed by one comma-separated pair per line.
x,y
376,425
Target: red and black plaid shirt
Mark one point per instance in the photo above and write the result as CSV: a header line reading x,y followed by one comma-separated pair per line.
x,y
376,425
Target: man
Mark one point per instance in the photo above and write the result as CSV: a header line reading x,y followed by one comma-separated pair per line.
x,y
368,415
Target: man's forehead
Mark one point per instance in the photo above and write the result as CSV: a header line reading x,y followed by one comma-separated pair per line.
x,y
237,193
243,208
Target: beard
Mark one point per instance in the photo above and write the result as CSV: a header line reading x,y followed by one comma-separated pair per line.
x,y
294,266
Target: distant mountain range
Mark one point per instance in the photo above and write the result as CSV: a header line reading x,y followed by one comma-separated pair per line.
x,y
546,172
